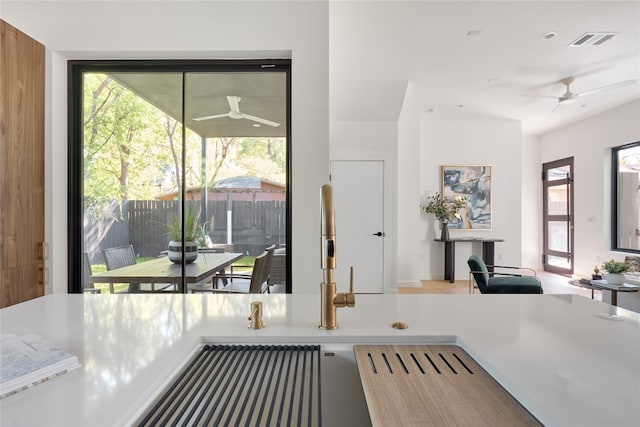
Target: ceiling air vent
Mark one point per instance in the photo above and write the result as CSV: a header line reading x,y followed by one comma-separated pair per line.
x,y
592,39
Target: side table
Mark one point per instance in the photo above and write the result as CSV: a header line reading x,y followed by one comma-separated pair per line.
x,y
604,285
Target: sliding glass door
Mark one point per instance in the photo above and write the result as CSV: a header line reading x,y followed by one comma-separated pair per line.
x,y
180,152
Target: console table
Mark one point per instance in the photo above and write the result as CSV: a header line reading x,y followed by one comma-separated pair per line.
x,y
450,254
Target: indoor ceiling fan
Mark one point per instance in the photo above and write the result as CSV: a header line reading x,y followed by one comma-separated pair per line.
x,y
235,113
568,96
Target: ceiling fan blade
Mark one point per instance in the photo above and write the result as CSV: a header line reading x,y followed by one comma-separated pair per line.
x,y
608,87
216,116
260,120
557,107
233,103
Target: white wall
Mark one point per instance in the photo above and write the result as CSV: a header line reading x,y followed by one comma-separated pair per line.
x,y
409,254
425,142
471,142
531,203
590,142
176,30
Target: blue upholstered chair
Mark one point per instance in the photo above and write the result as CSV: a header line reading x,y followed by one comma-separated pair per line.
x,y
502,283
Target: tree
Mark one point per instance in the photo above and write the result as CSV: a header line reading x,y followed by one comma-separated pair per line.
x,y
263,157
132,150
121,134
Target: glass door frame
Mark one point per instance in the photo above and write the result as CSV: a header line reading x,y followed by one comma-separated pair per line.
x,y
75,180
568,217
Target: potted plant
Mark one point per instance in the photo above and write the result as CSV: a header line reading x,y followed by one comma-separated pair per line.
x,y
615,271
174,229
444,210
202,238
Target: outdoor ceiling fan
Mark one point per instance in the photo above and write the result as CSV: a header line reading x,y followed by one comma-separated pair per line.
x,y
235,113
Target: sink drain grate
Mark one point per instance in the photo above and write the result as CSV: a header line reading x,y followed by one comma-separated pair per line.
x,y
243,385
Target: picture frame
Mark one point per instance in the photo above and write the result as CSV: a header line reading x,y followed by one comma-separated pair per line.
x,y
473,182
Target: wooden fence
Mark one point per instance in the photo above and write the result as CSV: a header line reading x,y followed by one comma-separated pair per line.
x,y
142,223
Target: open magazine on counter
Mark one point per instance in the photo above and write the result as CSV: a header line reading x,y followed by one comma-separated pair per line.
x,y
29,360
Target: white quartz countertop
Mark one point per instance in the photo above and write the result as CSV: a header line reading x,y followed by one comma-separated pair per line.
x,y
563,357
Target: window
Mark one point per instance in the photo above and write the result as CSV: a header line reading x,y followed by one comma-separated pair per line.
x,y
154,142
626,198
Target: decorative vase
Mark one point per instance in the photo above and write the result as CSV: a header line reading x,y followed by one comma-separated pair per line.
x,y
175,252
444,231
614,278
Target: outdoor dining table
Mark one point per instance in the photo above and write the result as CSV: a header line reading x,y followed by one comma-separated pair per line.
x,y
162,270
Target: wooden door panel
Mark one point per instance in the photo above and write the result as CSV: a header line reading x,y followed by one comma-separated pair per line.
x,y
21,284
21,166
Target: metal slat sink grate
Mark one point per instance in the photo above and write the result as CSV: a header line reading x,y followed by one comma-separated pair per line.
x,y
243,385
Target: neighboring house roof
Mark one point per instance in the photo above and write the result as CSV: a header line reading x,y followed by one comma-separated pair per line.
x,y
246,182
237,183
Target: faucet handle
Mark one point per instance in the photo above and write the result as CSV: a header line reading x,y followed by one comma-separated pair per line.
x,y
351,280
350,297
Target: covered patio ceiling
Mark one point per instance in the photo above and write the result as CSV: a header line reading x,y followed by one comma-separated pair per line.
x,y
262,95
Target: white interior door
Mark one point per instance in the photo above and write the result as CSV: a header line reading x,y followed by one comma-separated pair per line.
x,y
358,192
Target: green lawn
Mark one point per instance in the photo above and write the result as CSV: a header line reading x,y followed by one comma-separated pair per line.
x,y
117,287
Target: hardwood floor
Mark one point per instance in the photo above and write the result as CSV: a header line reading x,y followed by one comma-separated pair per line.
x,y
551,284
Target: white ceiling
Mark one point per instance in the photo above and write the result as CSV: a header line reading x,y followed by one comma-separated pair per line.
x,y
381,50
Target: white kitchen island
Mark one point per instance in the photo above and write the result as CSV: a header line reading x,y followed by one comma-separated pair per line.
x,y
565,358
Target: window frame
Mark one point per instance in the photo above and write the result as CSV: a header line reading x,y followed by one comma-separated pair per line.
x,y
75,178
614,197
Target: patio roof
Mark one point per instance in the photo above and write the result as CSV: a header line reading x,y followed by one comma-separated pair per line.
x,y
262,95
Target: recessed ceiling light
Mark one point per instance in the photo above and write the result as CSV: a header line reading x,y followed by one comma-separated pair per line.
x,y
473,33
255,125
549,35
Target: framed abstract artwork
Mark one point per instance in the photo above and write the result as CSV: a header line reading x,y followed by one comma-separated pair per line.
x,y
473,182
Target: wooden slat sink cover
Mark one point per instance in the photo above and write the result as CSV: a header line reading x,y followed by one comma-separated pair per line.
x,y
426,385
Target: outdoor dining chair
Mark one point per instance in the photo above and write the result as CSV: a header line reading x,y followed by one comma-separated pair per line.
x,y
123,256
87,282
255,283
118,257
244,273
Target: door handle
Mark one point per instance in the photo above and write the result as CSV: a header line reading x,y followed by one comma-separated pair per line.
x,y
379,234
